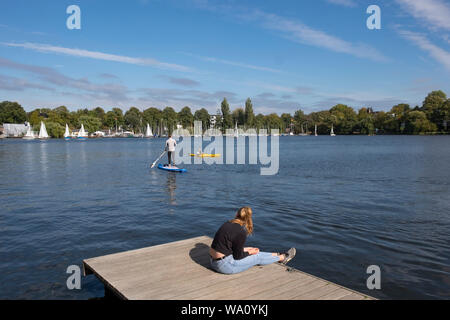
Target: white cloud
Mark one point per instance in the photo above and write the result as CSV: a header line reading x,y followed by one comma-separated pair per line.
x,y
97,55
301,33
294,30
434,51
233,63
434,12
345,3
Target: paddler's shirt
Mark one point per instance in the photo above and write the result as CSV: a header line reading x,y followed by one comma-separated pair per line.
x,y
170,144
230,239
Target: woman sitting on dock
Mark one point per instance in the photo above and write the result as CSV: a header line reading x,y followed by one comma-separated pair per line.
x,y
227,251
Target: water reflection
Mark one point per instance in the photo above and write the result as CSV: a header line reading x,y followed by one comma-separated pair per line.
x,y
83,154
346,202
28,163
43,148
171,186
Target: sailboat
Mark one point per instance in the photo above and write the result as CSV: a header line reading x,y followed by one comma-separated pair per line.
x,y
43,132
82,134
332,132
148,133
315,130
236,132
303,132
29,135
67,133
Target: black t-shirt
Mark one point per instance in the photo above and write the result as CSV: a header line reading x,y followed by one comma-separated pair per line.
x,y
230,239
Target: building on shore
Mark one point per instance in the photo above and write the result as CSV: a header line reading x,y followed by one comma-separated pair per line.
x,y
14,130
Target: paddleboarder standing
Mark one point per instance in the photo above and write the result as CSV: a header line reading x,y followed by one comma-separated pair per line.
x,y
170,148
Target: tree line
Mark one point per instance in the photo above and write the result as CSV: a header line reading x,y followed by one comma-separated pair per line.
x,y
430,118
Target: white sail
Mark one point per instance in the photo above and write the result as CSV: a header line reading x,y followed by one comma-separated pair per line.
x,y
30,134
82,133
236,132
67,133
43,132
148,133
332,131
315,130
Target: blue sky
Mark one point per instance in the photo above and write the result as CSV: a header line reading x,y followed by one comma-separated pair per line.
x,y
284,55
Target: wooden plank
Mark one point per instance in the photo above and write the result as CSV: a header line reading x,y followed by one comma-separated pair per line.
x,y
126,264
239,289
355,296
195,287
288,295
272,294
317,292
159,251
335,295
180,270
148,269
207,288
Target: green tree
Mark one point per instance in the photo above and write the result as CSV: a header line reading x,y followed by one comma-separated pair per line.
x,y
418,123
153,117
62,115
90,123
396,123
300,120
12,112
54,129
380,120
286,120
344,119
114,118
249,115
445,116
110,119
170,118
203,116
186,118
259,121
227,120
100,114
323,120
365,123
238,116
273,121
133,119
35,118
432,106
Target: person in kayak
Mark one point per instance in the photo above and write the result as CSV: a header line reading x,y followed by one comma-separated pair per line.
x,y
170,148
228,254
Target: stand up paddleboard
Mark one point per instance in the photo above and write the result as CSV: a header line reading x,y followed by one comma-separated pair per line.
x,y
173,169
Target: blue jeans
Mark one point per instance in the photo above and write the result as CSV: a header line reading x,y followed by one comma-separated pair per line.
x,y
230,266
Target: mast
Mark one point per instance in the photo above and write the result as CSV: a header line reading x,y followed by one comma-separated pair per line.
x,y
43,131
82,133
67,133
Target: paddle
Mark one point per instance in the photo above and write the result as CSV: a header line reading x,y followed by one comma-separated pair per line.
x,y
153,164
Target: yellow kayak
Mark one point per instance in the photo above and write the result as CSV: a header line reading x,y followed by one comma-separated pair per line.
x,y
205,155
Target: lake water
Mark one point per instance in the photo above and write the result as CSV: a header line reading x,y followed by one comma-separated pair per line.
x,y
345,203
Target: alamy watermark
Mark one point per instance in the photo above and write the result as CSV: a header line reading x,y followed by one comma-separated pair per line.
x,y
74,280
374,280
374,21
258,146
74,20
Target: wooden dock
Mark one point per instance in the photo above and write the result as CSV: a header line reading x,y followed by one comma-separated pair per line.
x,y
180,271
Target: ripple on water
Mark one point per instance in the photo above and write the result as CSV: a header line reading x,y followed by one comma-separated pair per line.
x,y
345,204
